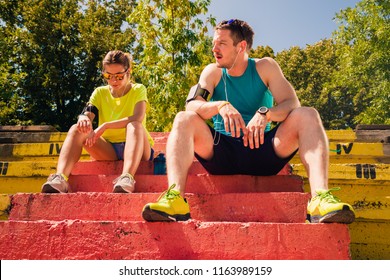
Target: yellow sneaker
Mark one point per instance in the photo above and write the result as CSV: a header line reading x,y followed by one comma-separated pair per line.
x,y
326,208
170,206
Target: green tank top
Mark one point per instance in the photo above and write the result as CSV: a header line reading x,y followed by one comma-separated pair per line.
x,y
246,93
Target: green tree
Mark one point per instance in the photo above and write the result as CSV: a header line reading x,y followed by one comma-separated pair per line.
x,y
54,50
172,49
261,52
363,79
310,70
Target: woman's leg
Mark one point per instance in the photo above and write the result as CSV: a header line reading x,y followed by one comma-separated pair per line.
x,y
137,148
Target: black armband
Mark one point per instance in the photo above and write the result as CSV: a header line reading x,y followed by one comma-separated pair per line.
x,y
196,91
90,108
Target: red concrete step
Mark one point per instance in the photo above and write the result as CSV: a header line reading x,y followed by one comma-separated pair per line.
x,y
201,183
73,239
92,167
234,207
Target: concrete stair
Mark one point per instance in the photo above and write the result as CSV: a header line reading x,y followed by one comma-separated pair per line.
x,y
233,217
76,239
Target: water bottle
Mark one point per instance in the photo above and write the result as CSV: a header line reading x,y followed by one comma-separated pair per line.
x,y
159,164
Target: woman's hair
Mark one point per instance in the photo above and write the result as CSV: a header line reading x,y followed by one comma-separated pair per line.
x,y
118,57
239,29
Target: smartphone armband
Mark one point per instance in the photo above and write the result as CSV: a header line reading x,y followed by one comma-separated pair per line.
x,y
196,91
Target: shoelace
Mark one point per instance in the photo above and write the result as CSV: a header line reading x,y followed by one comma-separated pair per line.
x,y
168,194
127,176
328,196
52,177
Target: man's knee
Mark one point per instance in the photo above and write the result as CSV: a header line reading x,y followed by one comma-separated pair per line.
x,y
303,114
185,118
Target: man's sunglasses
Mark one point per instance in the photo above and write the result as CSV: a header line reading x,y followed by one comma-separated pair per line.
x,y
118,76
234,23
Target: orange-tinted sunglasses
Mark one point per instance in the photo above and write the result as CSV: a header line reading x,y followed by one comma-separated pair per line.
x,y
118,76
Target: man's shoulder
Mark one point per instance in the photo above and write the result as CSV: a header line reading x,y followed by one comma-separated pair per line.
x,y
211,67
264,60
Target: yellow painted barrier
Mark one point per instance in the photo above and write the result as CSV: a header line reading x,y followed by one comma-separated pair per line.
x,y
370,201
54,148
12,185
370,239
27,169
5,203
355,171
341,135
350,152
21,150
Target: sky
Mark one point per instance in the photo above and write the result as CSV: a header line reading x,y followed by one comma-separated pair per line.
x,y
282,24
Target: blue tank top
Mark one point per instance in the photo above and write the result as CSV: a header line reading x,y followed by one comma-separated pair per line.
x,y
246,93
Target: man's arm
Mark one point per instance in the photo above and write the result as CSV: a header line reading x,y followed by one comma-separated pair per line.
x,y
285,98
207,81
282,91
233,120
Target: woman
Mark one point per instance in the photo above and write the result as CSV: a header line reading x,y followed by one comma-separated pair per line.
x,y
121,134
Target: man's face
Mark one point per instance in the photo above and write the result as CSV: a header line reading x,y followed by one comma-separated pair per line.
x,y
224,50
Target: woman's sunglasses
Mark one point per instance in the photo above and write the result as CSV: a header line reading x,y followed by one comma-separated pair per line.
x,y
118,76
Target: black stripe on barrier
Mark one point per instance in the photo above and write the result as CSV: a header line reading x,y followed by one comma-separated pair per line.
x,y
53,151
366,171
3,168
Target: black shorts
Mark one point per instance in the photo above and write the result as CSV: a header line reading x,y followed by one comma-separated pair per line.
x,y
232,157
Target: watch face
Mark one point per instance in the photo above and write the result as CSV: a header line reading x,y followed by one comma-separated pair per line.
x,y
263,110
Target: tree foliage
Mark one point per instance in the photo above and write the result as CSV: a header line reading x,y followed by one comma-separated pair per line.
x,y
173,47
54,48
310,70
51,52
363,79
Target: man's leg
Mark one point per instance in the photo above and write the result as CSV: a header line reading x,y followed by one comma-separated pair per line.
x,y
189,134
303,129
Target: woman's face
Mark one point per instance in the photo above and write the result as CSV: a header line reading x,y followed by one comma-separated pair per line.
x,y
116,75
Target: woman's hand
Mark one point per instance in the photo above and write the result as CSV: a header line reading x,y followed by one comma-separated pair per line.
x,y
95,135
84,124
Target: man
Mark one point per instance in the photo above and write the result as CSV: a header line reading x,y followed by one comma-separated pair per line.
x,y
235,92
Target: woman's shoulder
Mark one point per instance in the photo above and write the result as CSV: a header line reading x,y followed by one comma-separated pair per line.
x,y
102,89
138,87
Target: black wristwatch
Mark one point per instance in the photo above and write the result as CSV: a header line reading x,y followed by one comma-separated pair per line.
x,y
263,110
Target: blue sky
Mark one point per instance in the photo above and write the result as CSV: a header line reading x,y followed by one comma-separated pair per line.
x,y
282,24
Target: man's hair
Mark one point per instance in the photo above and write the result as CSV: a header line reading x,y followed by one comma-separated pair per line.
x,y
239,29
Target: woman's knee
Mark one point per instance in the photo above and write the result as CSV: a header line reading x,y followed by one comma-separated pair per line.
x,y
134,126
73,131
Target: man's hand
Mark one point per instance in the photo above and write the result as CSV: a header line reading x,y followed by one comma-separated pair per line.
x,y
255,127
233,120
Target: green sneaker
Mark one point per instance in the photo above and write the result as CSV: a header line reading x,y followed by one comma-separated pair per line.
x,y
326,208
170,206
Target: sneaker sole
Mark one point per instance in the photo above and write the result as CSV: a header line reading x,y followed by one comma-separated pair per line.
x,y
50,189
150,215
119,189
344,216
